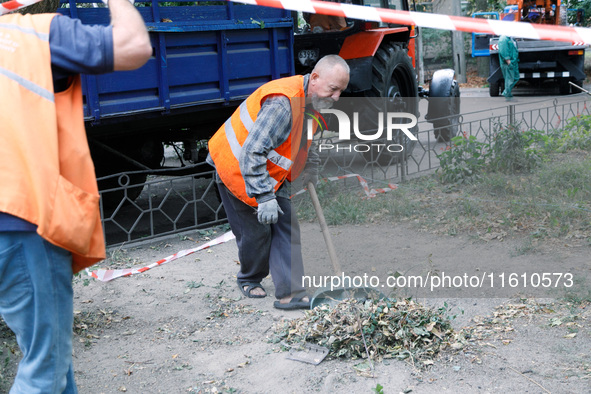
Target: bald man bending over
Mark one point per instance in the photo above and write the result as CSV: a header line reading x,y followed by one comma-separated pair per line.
x,y
257,153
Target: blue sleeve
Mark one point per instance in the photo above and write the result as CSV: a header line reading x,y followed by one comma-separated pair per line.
x,y
79,49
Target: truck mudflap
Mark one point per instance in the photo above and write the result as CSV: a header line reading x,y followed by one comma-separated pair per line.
x,y
444,105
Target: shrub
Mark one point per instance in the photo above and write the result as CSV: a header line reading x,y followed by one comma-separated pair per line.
x,y
463,161
576,134
514,150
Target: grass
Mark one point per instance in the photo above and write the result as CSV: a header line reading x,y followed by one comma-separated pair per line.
x,y
551,202
341,206
560,186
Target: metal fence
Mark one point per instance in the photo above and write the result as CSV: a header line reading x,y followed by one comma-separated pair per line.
x,y
173,204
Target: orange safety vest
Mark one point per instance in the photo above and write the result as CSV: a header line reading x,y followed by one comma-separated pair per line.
x,y
46,173
284,162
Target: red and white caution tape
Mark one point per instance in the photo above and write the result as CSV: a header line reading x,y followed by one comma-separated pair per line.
x,y
369,193
433,21
575,35
105,275
14,5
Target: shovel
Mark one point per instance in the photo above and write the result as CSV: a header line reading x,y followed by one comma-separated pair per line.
x,y
334,295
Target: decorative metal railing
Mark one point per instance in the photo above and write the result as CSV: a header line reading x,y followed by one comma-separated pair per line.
x,y
174,204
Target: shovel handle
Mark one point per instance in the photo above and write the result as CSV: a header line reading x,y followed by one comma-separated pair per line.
x,y
580,88
324,228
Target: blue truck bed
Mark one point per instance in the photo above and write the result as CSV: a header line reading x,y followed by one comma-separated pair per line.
x,y
207,56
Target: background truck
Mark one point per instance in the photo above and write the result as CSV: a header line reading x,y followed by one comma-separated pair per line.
x,y
209,56
540,60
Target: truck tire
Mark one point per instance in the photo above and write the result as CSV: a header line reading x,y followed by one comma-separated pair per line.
x,y
393,77
447,128
494,89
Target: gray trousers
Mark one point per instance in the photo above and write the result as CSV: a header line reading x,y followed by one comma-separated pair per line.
x,y
266,247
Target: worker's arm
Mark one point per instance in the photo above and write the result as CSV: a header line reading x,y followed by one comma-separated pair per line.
x,y
131,43
271,129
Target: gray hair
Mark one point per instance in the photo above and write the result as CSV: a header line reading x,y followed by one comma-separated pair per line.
x,y
330,61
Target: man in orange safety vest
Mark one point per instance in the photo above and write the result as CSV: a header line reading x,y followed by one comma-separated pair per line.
x,y
257,153
50,224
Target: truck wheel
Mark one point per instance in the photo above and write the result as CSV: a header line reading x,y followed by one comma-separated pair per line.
x,y
393,77
494,89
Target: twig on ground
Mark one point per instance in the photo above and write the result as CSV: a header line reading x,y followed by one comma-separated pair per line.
x,y
373,372
530,379
139,362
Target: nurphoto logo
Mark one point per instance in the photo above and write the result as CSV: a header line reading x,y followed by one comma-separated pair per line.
x,y
395,122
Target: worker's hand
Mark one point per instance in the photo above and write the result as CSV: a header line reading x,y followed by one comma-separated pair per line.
x,y
508,61
268,212
309,176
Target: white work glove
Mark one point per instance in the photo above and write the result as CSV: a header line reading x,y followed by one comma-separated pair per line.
x,y
268,212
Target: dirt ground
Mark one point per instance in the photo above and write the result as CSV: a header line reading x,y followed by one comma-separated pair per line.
x,y
185,326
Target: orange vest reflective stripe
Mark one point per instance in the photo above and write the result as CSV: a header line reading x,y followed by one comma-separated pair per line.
x,y
284,162
46,173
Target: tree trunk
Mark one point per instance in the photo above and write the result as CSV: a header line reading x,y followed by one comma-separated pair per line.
x,y
453,7
483,63
457,38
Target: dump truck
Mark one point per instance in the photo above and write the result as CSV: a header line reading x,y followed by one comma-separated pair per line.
x,y
539,60
208,56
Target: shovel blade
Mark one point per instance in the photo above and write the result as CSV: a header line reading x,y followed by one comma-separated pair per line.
x,y
332,297
310,353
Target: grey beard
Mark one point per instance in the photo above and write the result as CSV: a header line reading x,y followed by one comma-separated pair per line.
x,y
322,103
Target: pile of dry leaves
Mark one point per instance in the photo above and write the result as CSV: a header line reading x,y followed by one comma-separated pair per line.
x,y
373,329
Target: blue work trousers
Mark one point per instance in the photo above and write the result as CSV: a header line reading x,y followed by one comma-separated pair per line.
x,y
36,302
263,247
511,76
